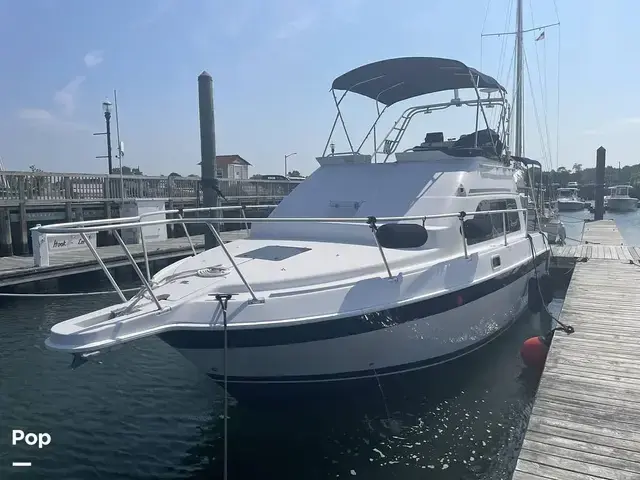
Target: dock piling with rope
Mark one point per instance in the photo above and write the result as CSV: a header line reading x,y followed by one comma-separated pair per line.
x,y
585,421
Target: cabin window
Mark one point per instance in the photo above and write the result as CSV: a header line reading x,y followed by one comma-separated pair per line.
x,y
481,228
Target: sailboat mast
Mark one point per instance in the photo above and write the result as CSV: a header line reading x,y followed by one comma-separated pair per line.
x,y
519,100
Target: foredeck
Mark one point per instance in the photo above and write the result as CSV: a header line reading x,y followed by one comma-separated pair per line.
x,y
16,270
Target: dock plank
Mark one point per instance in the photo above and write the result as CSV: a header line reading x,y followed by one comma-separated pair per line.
x,y
585,423
603,232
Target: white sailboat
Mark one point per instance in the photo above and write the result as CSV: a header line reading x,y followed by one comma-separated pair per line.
x,y
547,220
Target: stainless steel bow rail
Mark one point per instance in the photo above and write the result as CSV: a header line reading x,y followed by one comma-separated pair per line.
x,y
115,224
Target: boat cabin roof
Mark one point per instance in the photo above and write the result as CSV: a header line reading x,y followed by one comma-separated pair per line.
x,y
397,79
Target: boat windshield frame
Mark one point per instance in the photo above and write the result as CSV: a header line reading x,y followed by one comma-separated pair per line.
x,y
571,192
620,190
380,82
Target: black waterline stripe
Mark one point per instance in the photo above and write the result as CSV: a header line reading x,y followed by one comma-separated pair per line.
x,y
364,374
344,327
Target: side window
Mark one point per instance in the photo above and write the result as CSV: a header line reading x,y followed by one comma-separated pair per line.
x,y
513,219
481,228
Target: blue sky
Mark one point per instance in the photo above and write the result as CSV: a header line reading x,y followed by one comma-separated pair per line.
x,y
273,62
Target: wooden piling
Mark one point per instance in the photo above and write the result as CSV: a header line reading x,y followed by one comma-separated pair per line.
x,y
208,151
600,166
6,241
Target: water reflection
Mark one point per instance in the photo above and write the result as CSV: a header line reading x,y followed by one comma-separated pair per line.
x,y
462,420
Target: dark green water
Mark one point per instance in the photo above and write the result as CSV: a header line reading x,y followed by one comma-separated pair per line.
x,y
145,412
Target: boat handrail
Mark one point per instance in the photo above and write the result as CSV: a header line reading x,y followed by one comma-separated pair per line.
x,y
92,226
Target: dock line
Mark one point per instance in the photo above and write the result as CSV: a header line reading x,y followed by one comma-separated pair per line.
x,y
74,294
223,300
568,329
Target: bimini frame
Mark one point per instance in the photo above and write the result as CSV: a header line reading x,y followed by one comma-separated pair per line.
x,y
390,81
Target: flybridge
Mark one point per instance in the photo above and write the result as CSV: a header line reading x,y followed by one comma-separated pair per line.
x,y
388,82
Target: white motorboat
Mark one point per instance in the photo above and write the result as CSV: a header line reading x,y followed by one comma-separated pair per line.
x,y
568,200
554,228
366,269
607,197
620,201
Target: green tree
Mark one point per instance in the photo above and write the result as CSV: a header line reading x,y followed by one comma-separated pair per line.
x,y
127,171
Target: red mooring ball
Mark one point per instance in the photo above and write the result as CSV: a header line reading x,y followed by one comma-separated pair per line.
x,y
534,352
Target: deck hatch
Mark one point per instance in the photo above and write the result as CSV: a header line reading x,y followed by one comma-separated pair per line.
x,y
274,253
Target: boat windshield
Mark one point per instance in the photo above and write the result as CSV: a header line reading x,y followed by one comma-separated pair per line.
x,y
566,193
621,191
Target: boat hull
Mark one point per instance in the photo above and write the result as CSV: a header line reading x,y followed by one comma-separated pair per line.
x,y
555,230
572,206
622,204
357,349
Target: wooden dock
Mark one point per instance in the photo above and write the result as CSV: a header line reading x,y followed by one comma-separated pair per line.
x,y
31,198
16,270
585,422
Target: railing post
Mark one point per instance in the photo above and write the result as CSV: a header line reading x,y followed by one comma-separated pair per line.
x,y
68,195
106,190
254,299
146,255
461,216
169,188
24,232
371,221
504,227
137,269
186,232
242,209
94,252
22,189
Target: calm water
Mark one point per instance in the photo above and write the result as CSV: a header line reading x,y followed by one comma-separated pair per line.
x,y
145,412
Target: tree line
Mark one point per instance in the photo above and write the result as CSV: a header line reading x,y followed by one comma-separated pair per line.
x,y
586,177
